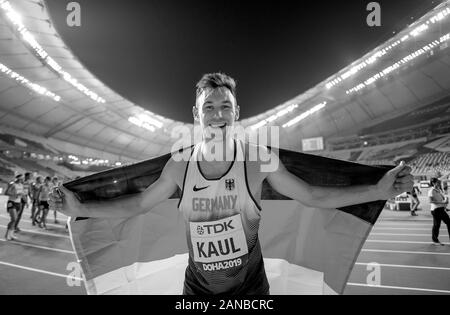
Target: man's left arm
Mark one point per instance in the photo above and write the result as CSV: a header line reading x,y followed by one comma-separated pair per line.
x,y
393,183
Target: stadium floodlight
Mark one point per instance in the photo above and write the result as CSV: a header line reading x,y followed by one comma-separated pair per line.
x,y
136,121
427,48
144,120
418,30
16,20
147,117
304,115
422,28
27,83
273,117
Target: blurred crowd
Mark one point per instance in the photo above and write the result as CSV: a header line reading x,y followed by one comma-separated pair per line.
x,y
26,191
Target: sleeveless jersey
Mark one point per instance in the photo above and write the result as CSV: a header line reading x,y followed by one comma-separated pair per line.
x,y
44,192
222,222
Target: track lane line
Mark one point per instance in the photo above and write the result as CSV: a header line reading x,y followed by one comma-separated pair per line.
x,y
28,221
403,252
402,242
396,288
402,234
40,233
40,271
407,229
37,246
405,266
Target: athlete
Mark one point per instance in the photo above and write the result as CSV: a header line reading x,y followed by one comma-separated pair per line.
x,y
43,197
34,194
221,197
15,193
415,202
24,199
54,183
438,203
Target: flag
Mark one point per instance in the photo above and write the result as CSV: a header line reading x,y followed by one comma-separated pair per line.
x,y
306,250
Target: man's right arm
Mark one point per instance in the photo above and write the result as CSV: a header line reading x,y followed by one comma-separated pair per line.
x,y
128,206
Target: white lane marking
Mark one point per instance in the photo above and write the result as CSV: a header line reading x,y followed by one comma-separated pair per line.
x,y
41,233
402,242
404,224
40,247
406,266
28,221
39,271
405,229
396,288
401,234
403,252
27,210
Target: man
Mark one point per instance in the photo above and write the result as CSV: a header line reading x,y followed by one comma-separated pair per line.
x,y
438,209
54,184
35,189
226,191
14,192
43,198
24,199
415,202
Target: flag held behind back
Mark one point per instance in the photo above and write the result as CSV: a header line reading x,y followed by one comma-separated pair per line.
x,y
306,250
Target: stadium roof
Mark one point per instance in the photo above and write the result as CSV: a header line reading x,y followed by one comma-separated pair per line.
x,y
46,91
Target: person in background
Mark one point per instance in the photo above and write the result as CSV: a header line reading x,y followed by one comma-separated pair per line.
x,y
415,202
23,200
438,206
14,193
35,188
54,183
43,201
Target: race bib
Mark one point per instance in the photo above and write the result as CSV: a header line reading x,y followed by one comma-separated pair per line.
x,y
216,241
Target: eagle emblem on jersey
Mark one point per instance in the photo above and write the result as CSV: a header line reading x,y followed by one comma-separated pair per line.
x,y
229,184
200,230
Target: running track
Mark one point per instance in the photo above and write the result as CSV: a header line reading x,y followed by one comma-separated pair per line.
x,y
399,244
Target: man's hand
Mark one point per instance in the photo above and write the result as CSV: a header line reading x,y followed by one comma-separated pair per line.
x,y
395,182
63,200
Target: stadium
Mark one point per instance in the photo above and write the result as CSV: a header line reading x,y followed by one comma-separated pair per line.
x,y
57,119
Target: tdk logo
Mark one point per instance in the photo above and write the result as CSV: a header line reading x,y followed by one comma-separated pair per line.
x,y
216,228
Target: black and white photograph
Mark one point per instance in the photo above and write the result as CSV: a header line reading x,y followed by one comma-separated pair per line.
x,y
224,154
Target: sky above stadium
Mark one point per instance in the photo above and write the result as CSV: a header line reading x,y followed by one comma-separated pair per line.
x,y
154,52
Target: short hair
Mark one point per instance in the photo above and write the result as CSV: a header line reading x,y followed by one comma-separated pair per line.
x,y
216,80
48,178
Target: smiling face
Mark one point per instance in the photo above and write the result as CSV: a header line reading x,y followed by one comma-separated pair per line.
x,y
216,111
